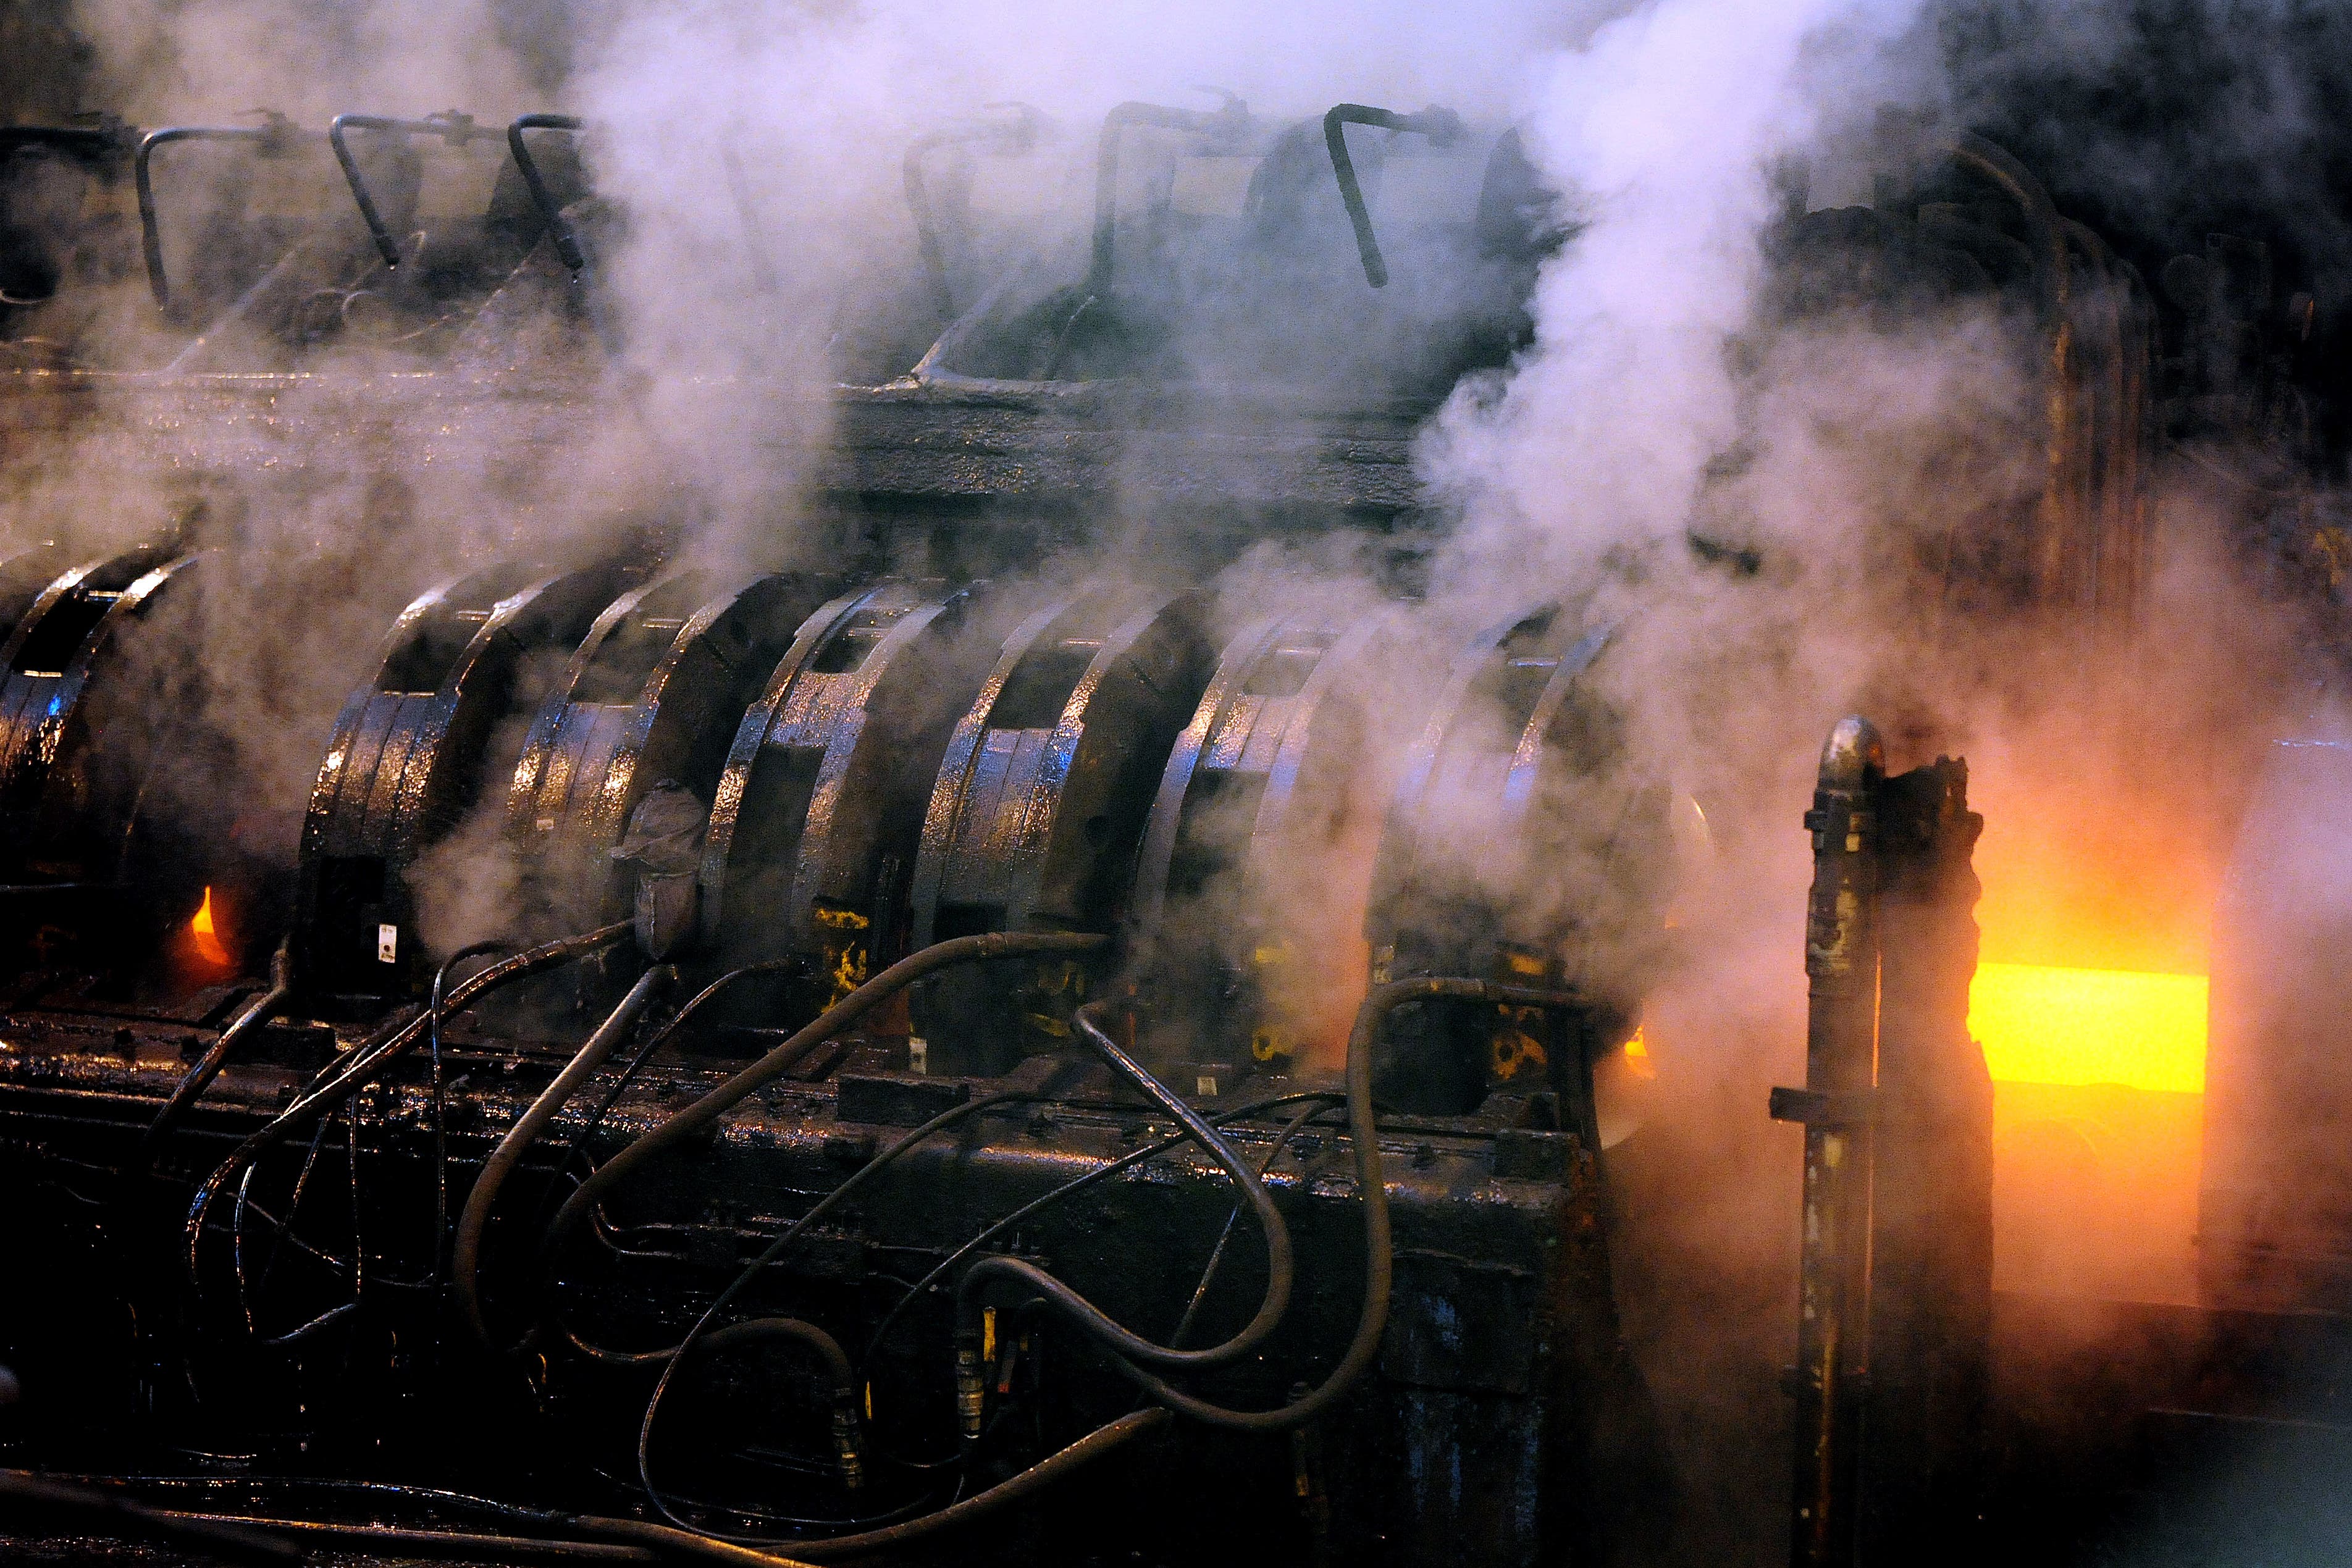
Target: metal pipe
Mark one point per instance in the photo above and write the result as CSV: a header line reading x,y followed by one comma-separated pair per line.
x,y
453,128
1229,121
1017,136
1441,125
567,243
1930,1323
2054,287
275,135
1841,1028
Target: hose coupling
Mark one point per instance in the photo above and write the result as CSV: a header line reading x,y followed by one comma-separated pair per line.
x,y
972,1385
848,1440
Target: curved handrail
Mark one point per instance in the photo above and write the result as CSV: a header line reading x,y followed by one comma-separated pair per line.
x,y
1441,125
1017,135
567,243
1230,122
274,135
455,129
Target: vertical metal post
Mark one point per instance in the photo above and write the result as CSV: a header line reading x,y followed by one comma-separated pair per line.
x,y
1841,1043
1931,1200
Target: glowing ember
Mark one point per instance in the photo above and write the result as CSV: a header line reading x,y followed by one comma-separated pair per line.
x,y
2041,1025
1637,1057
206,937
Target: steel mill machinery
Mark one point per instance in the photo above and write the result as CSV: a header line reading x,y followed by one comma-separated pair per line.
x,y
971,1060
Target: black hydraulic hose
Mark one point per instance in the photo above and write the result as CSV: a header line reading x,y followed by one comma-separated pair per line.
x,y
456,130
621,1082
274,135
1067,1190
436,1543
1440,125
370,1057
686,1122
1379,1257
699,1000
791,1233
848,1429
1089,1319
644,1053
827,1348
567,243
22,1491
1233,1218
422,1545
441,1109
1098,1444
466,1258
208,1066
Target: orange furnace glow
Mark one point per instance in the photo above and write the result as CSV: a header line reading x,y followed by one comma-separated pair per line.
x,y
2045,1025
208,943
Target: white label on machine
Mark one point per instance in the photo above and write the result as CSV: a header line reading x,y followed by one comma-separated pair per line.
x,y
918,1055
1204,1086
387,944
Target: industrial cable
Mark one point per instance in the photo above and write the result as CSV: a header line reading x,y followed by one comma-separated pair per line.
x,y
1233,1220
791,1233
1372,1320
1071,1189
1321,1102
1085,1315
621,1082
199,1078
661,1036
1273,1305
1098,1444
367,1058
441,1108
691,1119
22,1490
464,1263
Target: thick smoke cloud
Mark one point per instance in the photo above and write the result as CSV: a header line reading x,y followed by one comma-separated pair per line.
x,y
754,247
